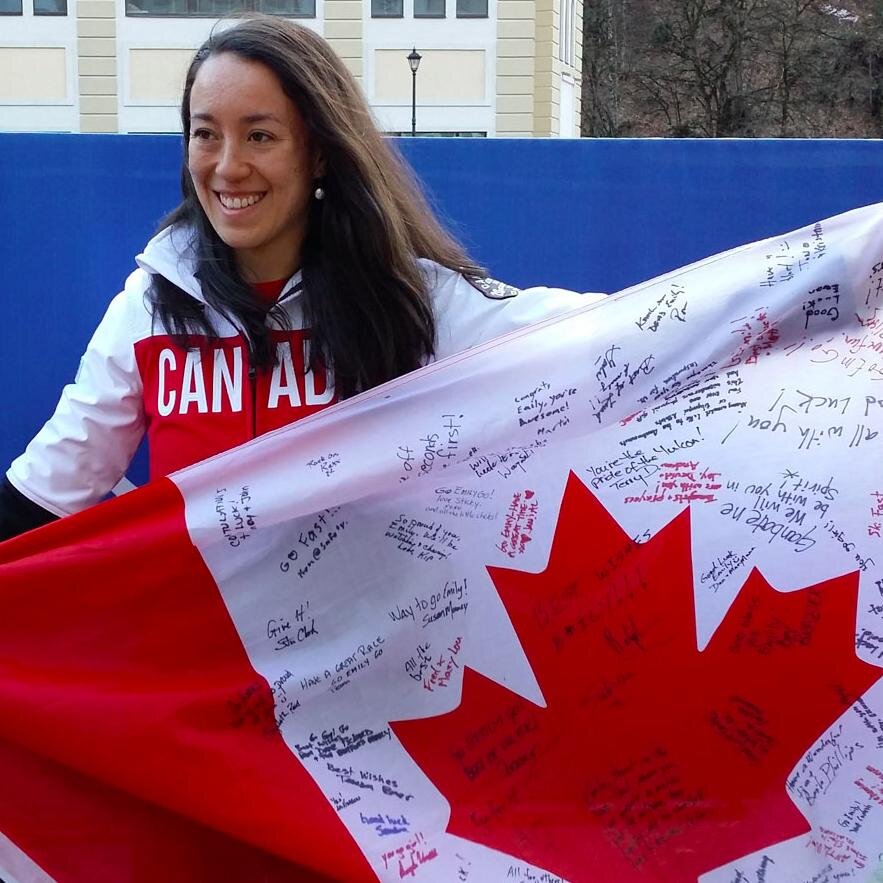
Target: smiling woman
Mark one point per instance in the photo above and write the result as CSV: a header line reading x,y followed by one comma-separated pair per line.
x,y
252,165
302,266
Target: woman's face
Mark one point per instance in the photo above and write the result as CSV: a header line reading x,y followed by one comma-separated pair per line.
x,y
252,164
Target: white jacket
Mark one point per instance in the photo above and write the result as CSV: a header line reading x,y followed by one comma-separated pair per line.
x,y
133,380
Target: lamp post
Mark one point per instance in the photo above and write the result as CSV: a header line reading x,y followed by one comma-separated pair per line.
x,y
414,63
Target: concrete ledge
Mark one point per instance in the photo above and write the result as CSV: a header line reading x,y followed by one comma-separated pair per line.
x,y
514,28
97,46
94,66
104,122
342,29
347,48
545,127
96,27
98,104
515,85
98,86
515,49
546,80
96,9
515,66
514,122
507,104
509,9
343,9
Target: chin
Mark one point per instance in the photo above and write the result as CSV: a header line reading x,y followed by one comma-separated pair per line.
x,y
233,238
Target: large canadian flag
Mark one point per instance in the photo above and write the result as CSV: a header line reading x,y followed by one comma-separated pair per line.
x,y
601,600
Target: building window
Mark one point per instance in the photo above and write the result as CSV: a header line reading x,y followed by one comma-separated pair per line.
x,y
471,8
211,8
10,7
216,8
565,35
387,9
50,7
429,8
293,8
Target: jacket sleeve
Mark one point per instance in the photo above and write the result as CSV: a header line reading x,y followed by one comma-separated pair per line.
x,y
83,450
468,314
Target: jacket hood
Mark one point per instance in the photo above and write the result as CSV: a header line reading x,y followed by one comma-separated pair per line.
x,y
172,255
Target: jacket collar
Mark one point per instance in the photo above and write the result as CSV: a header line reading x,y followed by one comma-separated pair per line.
x,y
172,255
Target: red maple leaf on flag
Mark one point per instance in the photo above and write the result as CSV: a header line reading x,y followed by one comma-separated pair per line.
x,y
652,761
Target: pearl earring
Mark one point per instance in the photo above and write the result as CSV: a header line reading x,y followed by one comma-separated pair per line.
x,y
319,193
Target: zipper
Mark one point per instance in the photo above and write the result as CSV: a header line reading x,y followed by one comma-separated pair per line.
x,y
253,383
295,289
252,372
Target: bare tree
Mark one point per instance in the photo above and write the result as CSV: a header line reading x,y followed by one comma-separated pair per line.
x,y
605,68
732,67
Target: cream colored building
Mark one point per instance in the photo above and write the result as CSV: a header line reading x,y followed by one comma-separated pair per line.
x,y
506,68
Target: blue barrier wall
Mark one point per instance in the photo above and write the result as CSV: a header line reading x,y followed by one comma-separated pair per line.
x,y
589,215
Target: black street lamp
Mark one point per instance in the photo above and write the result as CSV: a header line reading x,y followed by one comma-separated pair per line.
x,y
414,63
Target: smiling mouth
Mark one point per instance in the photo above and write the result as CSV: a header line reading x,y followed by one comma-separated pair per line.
x,y
239,202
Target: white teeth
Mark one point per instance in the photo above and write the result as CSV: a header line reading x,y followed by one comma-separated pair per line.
x,y
236,202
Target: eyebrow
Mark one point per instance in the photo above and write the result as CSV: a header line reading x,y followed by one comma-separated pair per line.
x,y
251,118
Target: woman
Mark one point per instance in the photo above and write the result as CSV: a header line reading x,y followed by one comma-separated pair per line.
x,y
301,267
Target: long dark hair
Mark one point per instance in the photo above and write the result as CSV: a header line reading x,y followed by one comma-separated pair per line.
x,y
365,298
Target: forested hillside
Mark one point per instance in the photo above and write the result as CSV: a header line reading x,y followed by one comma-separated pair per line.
x,y
732,68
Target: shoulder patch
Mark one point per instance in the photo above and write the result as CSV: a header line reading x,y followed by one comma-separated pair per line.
x,y
495,289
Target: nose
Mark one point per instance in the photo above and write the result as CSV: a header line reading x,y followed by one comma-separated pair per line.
x,y
232,164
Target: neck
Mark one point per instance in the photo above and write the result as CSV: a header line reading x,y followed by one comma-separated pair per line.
x,y
263,267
